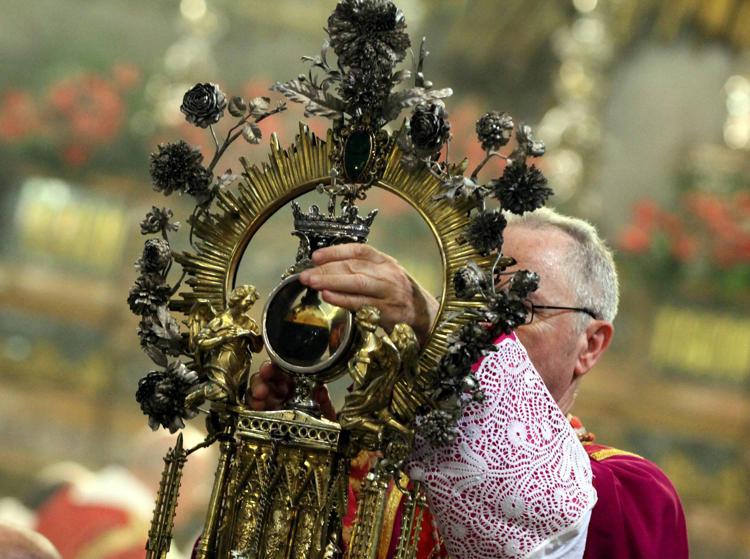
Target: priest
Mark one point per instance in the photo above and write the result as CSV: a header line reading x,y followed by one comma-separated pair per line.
x,y
520,480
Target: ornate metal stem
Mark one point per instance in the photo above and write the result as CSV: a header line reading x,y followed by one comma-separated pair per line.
x,y
207,543
369,522
162,523
409,537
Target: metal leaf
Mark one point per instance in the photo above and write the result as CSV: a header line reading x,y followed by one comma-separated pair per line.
x,y
237,106
315,109
252,133
317,102
412,97
457,187
324,51
400,76
259,105
419,81
295,90
156,355
165,326
332,102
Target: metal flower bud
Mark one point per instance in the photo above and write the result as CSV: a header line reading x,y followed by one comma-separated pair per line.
x,y
204,104
527,144
469,280
485,232
428,128
469,383
494,130
156,256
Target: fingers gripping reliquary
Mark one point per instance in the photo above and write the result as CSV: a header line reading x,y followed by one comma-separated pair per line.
x,y
280,488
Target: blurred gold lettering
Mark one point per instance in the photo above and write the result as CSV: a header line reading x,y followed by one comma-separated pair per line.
x,y
58,223
701,343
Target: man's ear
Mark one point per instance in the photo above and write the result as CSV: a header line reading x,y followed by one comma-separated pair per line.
x,y
598,336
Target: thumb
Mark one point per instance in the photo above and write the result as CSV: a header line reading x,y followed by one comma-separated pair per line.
x,y
323,399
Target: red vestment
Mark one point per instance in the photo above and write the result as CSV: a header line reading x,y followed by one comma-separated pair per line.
x,y
105,515
637,514
91,530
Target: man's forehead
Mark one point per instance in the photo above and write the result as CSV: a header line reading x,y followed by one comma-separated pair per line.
x,y
543,250
545,246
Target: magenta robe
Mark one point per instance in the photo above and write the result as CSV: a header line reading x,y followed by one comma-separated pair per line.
x,y
638,513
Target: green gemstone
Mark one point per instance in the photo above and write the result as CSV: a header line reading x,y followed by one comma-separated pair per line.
x,y
357,154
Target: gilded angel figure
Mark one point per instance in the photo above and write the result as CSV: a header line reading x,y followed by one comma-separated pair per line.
x,y
382,371
223,346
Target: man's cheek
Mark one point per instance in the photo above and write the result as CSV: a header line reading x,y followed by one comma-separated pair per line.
x,y
531,337
530,341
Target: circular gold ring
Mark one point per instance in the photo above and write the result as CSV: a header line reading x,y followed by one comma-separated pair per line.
x,y
221,238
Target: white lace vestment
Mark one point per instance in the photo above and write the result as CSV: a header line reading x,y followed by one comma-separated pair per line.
x,y
516,480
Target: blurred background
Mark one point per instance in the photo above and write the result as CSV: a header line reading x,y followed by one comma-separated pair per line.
x,y
645,109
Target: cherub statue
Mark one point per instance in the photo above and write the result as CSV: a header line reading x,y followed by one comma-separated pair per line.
x,y
407,396
377,369
223,347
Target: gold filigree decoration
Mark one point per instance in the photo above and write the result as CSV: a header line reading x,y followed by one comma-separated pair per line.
x,y
222,237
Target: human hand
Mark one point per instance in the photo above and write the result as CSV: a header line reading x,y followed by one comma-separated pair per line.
x,y
355,274
271,387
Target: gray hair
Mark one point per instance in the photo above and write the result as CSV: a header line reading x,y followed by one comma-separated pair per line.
x,y
591,266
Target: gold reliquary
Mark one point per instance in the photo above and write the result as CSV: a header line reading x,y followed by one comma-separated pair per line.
x,y
281,487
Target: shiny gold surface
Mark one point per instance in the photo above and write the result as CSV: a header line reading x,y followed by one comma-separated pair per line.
x,y
303,334
308,315
223,347
207,544
368,526
414,505
278,485
221,241
376,368
160,534
281,484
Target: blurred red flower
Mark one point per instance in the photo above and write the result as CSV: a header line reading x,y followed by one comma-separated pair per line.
x,y
126,75
646,213
742,203
63,95
91,106
76,154
634,239
714,211
19,116
684,248
74,116
707,225
671,224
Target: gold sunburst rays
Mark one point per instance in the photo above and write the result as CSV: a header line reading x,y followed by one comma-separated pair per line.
x,y
223,236
447,221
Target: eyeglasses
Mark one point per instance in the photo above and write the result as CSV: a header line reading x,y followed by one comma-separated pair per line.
x,y
532,308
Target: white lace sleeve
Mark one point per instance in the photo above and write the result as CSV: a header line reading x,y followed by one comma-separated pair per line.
x,y
516,476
